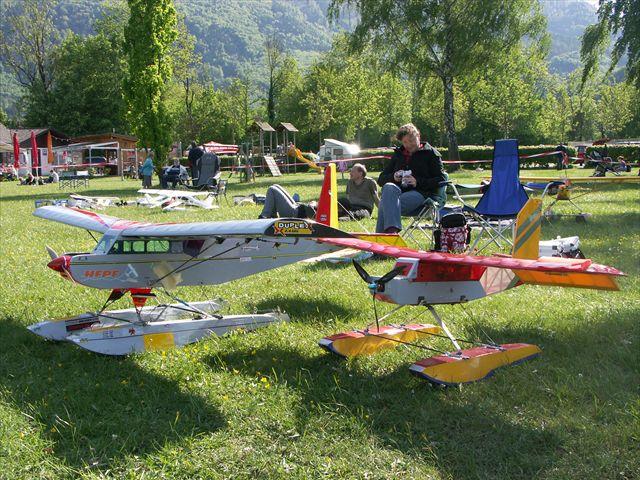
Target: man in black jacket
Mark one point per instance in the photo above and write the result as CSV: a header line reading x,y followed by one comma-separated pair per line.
x,y
195,152
413,175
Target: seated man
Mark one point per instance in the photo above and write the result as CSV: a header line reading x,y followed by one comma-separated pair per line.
x,y
362,194
413,175
278,203
30,179
175,174
53,177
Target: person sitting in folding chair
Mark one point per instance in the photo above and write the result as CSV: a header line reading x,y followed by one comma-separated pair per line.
x,y
414,174
362,195
174,175
208,172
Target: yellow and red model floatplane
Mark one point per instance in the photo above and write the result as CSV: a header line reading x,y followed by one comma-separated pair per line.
x,y
426,279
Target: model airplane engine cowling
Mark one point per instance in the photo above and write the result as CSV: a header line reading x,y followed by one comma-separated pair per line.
x,y
61,265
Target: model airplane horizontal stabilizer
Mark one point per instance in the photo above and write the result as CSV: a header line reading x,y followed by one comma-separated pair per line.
x,y
472,365
371,340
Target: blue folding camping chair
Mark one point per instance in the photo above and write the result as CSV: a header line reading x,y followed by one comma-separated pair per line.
x,y
495,214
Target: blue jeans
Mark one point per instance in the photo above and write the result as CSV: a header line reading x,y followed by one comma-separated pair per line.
x,y
394,203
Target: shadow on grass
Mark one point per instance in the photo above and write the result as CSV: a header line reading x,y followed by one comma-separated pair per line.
x,y
468,434
96,409
429,424
33,192
311,311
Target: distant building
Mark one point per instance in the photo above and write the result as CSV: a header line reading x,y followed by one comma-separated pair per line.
x,y
114,149
59,141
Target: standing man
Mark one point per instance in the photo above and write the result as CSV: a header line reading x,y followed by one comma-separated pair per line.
x,y
362,194
413,175
195,152
147,170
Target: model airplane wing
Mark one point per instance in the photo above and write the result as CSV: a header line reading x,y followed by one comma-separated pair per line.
x,y
77,218
557,271
275,227
278,227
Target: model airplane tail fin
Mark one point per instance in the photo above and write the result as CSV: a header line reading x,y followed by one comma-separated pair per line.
x,y
327,212
526,237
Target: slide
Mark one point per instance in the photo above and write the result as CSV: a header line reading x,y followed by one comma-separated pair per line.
x,y
297,154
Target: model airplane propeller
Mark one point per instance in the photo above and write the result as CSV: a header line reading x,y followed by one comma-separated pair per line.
x,y
433,278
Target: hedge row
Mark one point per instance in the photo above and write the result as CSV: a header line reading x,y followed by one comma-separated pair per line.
x,y
482,152
631,153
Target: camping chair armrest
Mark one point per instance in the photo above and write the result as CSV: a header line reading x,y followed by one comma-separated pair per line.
x,y
456,193
551,184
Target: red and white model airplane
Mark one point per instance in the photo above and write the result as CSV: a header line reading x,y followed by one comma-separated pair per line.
x,y
433,278
136,258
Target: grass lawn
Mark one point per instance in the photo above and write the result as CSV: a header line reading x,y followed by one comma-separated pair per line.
x,y
272,404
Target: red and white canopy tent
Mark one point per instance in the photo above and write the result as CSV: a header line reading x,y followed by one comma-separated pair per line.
x,y
220,148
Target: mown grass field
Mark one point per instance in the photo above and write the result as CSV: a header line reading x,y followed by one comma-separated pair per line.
x,y
272,404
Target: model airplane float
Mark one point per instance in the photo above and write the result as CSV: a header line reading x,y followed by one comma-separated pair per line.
x,y
135,258
432,278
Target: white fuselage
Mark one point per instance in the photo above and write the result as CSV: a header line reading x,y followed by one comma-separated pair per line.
x,y
119,262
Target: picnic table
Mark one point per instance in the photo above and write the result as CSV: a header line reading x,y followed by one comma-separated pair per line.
x,y
73,180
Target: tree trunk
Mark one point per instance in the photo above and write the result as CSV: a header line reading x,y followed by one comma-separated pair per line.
x,y
449,120
271,103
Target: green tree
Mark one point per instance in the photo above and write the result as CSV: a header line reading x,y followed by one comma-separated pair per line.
x,y
4,118
447,38
506,95
393,106
622,19
615,108
583,107
559,102
239,108
185,73
318,100
149,34
275,59
27,49
87,95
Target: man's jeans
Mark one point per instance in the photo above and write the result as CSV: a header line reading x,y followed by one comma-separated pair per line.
x,y
394,203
